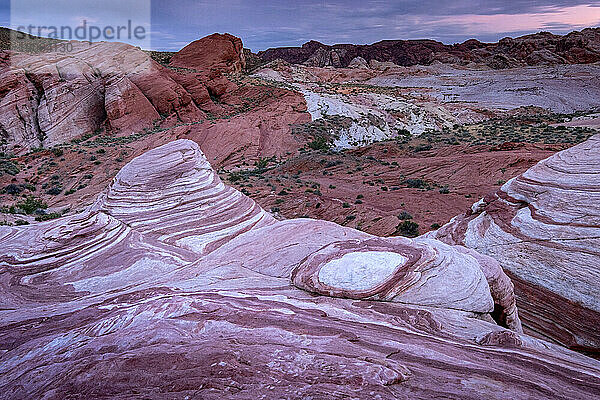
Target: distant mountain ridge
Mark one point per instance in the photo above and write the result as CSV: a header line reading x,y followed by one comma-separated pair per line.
x,y
577,47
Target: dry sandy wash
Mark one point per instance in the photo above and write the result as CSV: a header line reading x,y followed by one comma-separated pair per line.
x,y
173,285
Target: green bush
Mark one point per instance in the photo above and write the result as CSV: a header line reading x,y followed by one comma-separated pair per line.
x,y
319,143
31,204
403,216
9,167
415,183
408,229
48,217
54,190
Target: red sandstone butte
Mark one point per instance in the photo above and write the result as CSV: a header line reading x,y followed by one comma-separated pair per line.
x,y
217,52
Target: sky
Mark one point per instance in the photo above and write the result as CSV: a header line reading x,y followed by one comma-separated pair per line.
x,y
261,24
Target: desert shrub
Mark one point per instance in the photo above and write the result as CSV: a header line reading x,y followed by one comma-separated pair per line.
x,y
435,226
444,190
423,147
12,189
57,151
234,177
31,204
9,167
48,217
407,228
346,205
54,190
415,183
262,163
21,222
404,216
15,189
319,143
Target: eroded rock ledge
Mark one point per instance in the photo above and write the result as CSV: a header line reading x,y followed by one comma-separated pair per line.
x,y
544,228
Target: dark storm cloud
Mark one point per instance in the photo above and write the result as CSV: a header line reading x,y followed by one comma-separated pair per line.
x,y
269,23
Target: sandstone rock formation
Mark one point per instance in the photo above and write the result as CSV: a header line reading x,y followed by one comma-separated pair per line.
x,y
538,49
544,227
218,52
358,62
50,98
173,285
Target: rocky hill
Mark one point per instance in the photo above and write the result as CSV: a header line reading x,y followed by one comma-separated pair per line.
x,y
538,49
221,298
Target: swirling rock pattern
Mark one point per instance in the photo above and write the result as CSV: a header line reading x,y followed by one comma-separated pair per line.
x,y
183,202
115,303
544,228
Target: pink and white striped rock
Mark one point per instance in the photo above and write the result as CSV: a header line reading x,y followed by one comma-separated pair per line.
x,y
173,285
544,228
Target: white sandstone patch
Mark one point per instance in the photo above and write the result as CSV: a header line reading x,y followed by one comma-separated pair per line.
x,y
145,269
360,270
